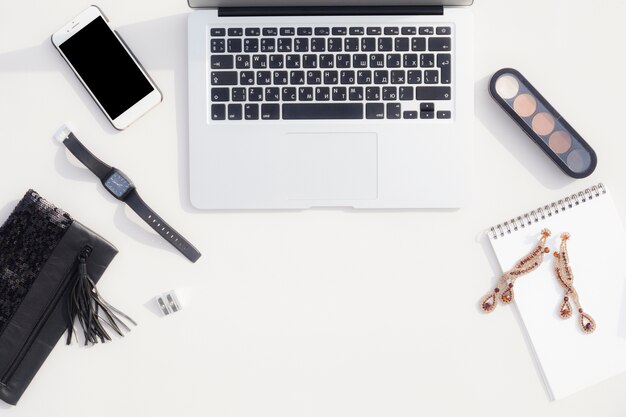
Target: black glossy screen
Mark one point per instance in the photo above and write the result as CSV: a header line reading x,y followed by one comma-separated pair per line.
x,y
106,67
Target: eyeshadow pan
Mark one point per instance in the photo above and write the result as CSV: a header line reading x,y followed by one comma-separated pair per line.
x,y
525,105
560,141
507,86
543,123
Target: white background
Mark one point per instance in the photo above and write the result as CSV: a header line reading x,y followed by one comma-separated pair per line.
x,y
314,313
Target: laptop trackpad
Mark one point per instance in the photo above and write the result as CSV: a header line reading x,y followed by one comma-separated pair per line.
x,y
332,166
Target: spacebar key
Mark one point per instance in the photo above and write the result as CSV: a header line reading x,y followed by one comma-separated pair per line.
x,y
322,111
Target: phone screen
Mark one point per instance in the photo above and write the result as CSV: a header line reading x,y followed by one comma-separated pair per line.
x,y
104,65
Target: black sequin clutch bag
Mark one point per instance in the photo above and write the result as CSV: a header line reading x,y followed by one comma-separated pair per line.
x,y
49,266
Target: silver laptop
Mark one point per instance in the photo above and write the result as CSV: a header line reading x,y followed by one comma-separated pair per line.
x,y
330,103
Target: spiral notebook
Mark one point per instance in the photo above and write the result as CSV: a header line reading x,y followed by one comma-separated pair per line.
x,y
568,359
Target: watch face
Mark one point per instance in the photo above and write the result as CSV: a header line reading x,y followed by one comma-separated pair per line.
x,y
117,184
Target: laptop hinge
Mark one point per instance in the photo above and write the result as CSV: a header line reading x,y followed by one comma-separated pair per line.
x,y
330,11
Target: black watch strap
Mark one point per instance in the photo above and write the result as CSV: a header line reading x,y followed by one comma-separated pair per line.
x,y
159,225
88,159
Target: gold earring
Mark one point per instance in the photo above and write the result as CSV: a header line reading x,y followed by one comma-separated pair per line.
x,y
528,264
566,279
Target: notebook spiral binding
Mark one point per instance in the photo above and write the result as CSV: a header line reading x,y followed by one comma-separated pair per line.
x,y
543,212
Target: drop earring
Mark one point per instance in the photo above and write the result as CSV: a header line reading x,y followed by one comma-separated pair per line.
x,y
526,265
566,278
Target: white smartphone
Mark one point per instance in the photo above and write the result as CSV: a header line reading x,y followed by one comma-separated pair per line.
x,y
106,67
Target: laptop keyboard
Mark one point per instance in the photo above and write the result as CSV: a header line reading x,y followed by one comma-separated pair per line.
x,y
330,73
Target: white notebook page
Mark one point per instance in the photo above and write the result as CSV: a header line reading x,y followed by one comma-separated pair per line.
x,y
570,359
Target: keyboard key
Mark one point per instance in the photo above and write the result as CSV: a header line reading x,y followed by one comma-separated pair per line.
x,y
239,94
398,77
277,61
374,31
322,31
251,45
410,61
427,106
375,110
242,61
314,77
392,31
372,93
331,77
439,44
309,61
224,77
222,61
377,61
339,93
270,32
255,94
235,32
272,94
234,112
264,77
305,31
406,93
340,31
443,30
431,77
364,77
443,62
218,45
394,111
427,115
351,44
292,61
218,112
427,60
390,93
334,45
301,45
381,77
414,77
343,60
246,78
348,77
251,111
218,32
410,114
322,93
234,45
368,44
281,77
432,93
268,45
284,44
444,114
297,77
355,94
259,61
253,32
359,61
305,93
289,94
318,45
220,94
319,111
394,60
327,61
357,31
402,44
409,31
270,111
418,44
427,30
385,44
287,31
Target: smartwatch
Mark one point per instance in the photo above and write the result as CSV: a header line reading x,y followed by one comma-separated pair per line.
x,y
122,188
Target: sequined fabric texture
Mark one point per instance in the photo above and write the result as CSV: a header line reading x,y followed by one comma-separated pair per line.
x,y
27,240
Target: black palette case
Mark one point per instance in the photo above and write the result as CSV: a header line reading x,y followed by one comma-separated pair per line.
x,y
43,252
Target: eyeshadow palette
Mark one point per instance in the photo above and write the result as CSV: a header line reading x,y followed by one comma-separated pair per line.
x,y
542,123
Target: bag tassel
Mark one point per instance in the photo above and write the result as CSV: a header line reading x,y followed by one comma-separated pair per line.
x,y
91,310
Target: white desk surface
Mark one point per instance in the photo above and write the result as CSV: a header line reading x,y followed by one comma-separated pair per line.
x,y
329,313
